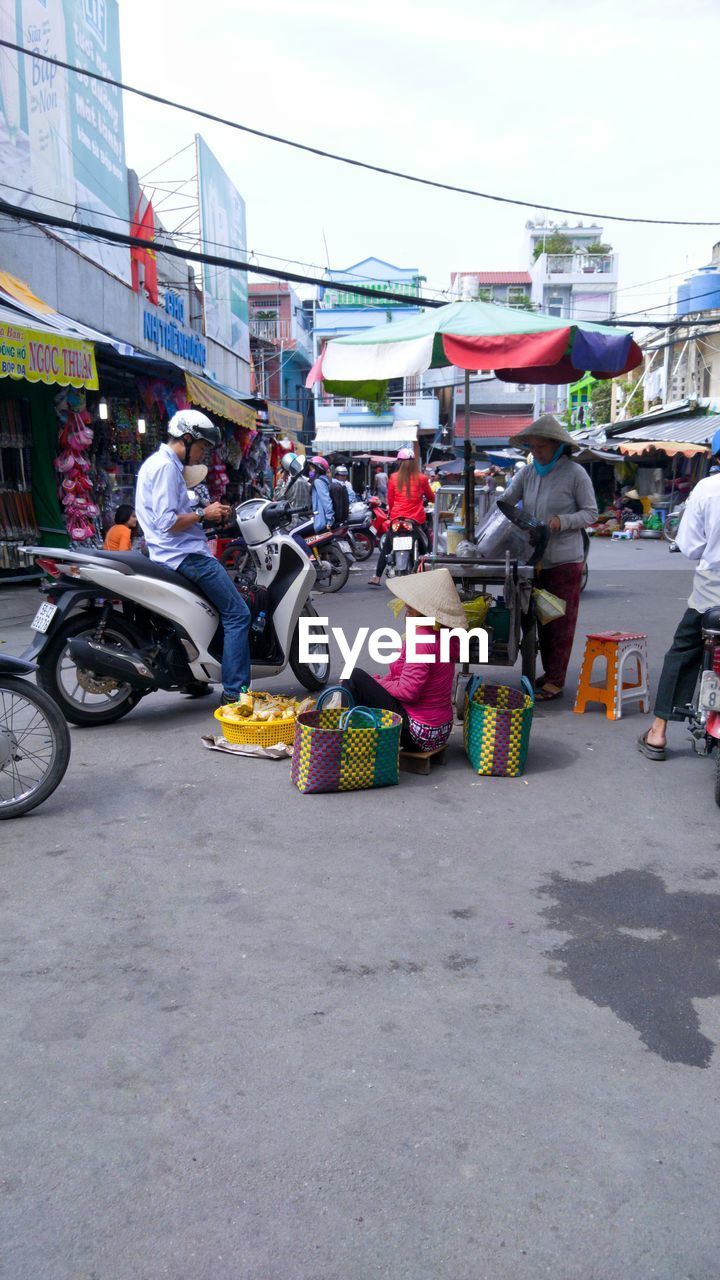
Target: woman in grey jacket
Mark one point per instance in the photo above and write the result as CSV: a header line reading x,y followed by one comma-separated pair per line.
x,y
556,490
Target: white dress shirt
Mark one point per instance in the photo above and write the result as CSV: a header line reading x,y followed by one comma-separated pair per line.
x,y
160,497
699,539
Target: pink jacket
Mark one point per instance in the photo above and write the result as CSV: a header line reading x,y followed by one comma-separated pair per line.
x,y
424,688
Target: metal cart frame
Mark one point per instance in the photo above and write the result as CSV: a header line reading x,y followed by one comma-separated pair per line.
x,y
474,577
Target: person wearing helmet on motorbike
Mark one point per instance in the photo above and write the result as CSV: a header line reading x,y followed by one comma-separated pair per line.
x,y
297,490
174,535
322,504
343,475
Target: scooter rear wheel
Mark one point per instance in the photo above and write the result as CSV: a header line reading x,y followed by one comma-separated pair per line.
x,y
717,776
72,689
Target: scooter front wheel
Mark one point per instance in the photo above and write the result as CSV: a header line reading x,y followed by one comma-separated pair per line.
x,y
314,675
34,746
362,543
337,569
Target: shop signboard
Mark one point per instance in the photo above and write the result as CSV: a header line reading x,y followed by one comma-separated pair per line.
x,y
39,356
166,331
62,133
222,229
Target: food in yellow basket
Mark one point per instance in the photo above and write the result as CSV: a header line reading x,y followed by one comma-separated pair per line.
x,y
245,704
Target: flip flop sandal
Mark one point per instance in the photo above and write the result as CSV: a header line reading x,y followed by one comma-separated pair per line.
x,y
544,695
649,751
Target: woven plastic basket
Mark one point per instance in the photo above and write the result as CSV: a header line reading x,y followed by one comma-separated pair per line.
x,y
497,727
345,750
263,733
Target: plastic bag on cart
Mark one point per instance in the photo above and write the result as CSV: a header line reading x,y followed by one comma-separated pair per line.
x,y
495,535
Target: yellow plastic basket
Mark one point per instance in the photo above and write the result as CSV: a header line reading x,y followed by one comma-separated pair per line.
x,y
263,733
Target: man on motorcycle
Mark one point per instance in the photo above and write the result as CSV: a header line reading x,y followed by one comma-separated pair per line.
x,y
698,538
322,504
175,538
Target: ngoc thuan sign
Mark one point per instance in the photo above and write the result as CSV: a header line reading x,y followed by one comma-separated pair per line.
x,y
46,357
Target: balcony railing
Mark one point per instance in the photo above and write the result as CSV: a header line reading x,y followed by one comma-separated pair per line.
x,y
577,264
271,330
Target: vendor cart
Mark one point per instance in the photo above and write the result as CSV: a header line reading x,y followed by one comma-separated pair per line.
x,y
510,620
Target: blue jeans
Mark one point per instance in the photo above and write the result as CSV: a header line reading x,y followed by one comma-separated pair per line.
x,y
208,574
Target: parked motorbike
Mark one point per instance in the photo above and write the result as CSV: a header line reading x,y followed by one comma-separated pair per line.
x,y
330,552
34,741
360,532
407,545
116,626
703,714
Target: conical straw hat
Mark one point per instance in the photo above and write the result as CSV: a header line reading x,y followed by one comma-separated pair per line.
x,y
433,594
548,427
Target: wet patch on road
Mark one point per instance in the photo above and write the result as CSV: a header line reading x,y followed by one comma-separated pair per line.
x,y
643,952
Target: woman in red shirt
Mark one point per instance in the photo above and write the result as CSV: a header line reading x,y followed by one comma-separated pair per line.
x,y
407,491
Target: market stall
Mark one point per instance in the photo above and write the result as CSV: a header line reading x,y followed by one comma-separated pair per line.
x,y
36,364
518,346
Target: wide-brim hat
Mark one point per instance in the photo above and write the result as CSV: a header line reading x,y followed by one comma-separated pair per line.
x,y
549,428
433,594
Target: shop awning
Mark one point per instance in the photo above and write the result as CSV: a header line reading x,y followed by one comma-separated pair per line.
x,y
331,437
20,298
219,400
286,422
38,354
635,448
688,428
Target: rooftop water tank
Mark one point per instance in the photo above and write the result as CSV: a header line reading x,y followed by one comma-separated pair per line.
x,y
701,292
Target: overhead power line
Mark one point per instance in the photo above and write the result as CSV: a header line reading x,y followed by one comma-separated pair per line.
x,y
233,264
332,155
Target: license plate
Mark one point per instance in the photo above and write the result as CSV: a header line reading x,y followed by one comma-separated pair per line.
x,y
402,544
710,691
43,617
345,546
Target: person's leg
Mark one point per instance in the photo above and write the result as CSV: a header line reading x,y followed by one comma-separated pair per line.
x,y
214,582
385,546
678,676
366,692
556,638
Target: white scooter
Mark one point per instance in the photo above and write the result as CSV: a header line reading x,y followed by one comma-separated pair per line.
x,y
116,626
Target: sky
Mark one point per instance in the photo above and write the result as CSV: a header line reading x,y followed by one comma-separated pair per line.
x,y
609,108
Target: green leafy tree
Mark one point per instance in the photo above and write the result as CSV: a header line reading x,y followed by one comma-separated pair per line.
x,y
600,401
556,242
634,398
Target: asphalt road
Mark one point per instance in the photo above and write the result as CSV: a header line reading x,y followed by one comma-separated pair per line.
x,y
463,1029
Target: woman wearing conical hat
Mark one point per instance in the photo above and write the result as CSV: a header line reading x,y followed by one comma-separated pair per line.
x,y
557,491
421,692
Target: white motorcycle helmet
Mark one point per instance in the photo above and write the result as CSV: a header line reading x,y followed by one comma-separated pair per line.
x,y
292,465
190,422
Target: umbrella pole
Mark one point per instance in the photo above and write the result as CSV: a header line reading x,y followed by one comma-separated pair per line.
x,y
469,468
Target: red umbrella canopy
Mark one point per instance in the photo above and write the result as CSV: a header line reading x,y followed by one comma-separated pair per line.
x,y
518,346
